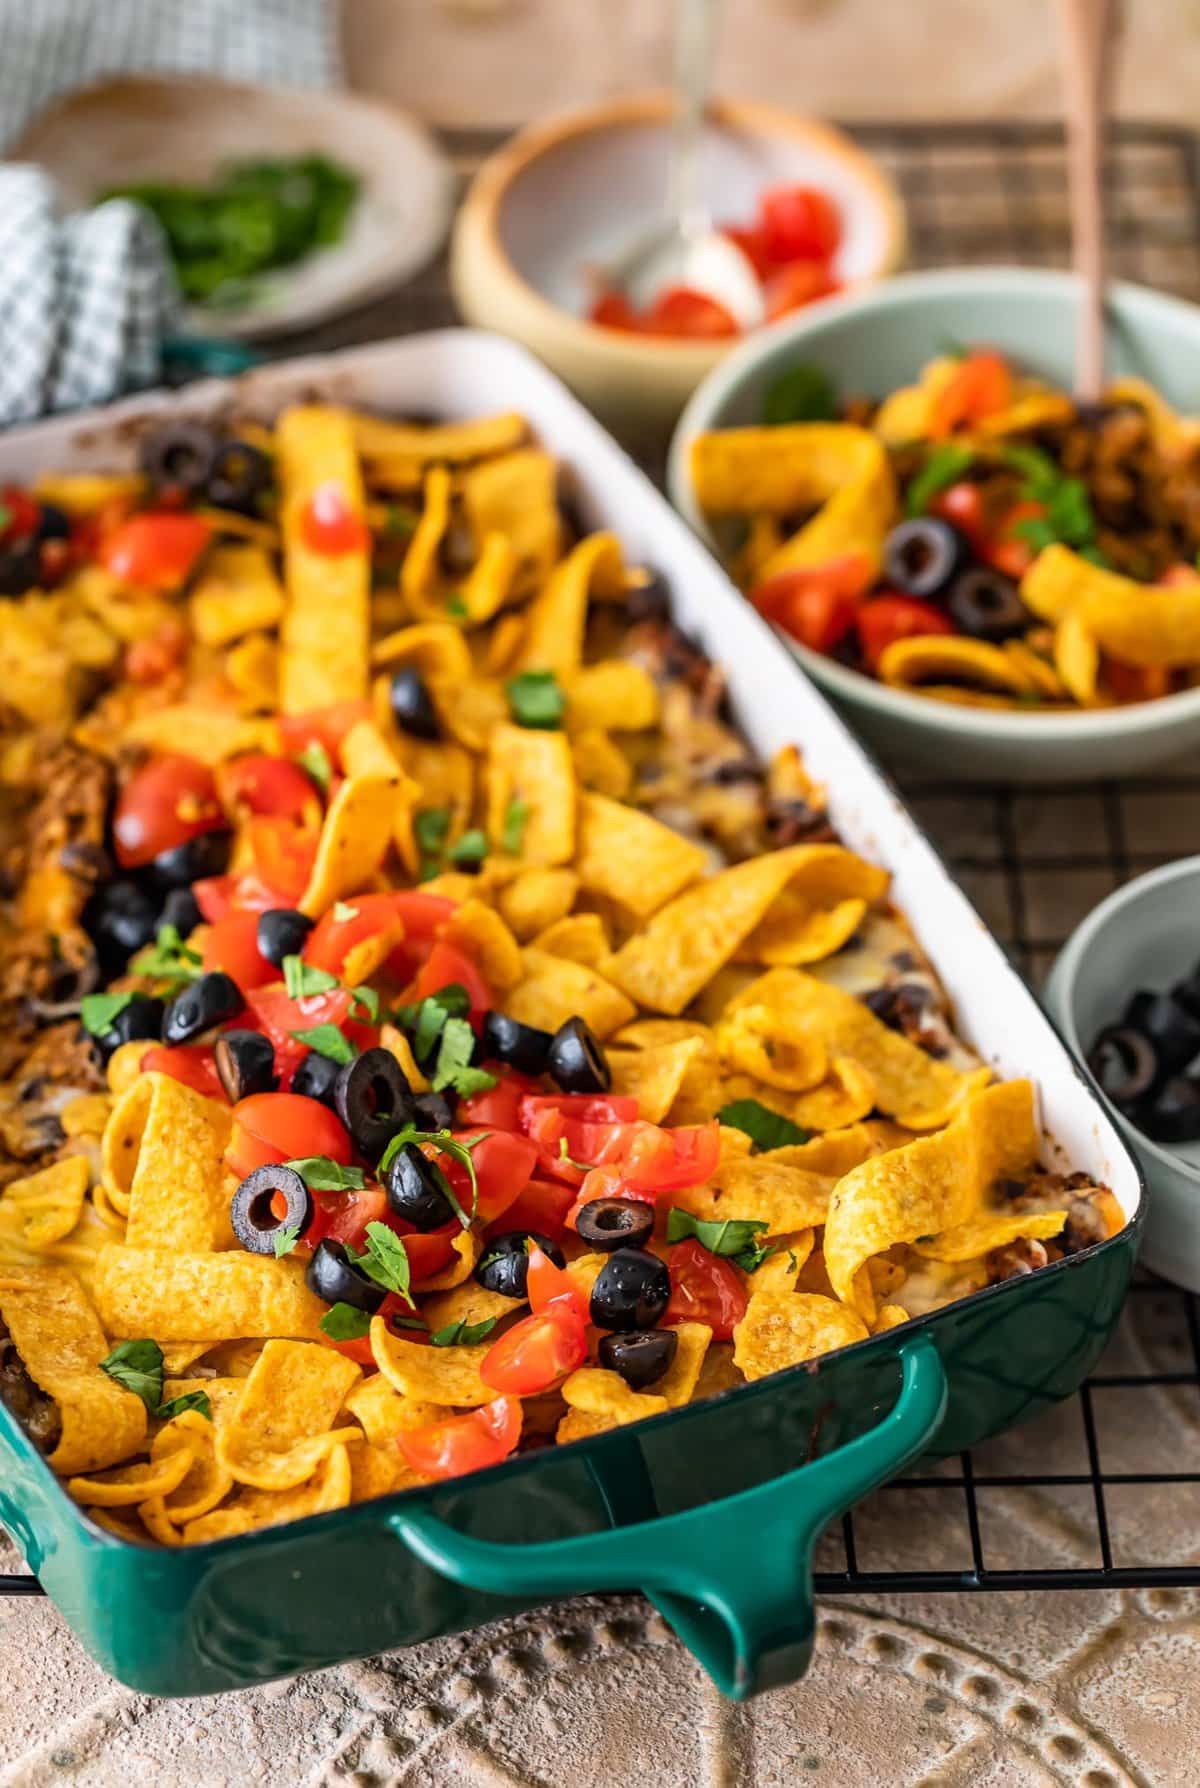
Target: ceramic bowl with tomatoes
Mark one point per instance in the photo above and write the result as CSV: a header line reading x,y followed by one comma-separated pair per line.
x,y
1001,501
564,199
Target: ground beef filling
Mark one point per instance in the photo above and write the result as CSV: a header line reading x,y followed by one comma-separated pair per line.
x,y
36,1412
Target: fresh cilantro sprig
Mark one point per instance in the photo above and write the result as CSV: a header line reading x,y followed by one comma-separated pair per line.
x,y
944,467
327,1040
320,1174
138,1367
733,1238
454,1068
168,957
470,848
284,1240
314,761
345,1322
301,979
463,1334
1067,507
385,1259
804,393
431,829
516,818
424,1020
766,1129
98,1010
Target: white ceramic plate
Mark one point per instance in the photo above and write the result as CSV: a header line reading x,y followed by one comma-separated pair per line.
x,y
458,373
184,127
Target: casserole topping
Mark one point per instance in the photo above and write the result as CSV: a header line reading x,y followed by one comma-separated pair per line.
x,y
463,1041
976,538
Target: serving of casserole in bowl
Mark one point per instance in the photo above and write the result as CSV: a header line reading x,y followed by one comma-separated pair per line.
x,y
498,1098
985,573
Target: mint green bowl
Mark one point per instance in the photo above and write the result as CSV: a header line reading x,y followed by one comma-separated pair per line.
x,y
879,340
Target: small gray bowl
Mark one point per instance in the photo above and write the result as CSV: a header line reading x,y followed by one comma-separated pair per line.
x,y
1147,934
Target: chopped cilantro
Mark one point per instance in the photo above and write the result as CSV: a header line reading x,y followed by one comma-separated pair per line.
x,y
516,818
314,760
424,1021
138,1367
734,1238
456,608
463,1334
342,1322
327,1040
399,522
454,1062
535,699
284,1241
431,828
944,466
343,911
471,847
804,393
368,999
320,1174
301,978
766,1129
168,956
97,1010
385,1259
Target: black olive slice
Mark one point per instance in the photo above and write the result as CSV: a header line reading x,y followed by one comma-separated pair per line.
x,y
522,1046
575,1060
608,1223
923,556
414,1188
141,1018
316,1078
20,567
434,1111
1172,1029
119,918
1124,1063
985,605
281,932
180,910
237,477
252,1210
373,1100
193,861
333,1276
210,1000
631,1291
504,1265
245,1064
412,705
181,453
53,523
1174,1114
641,1356
649,601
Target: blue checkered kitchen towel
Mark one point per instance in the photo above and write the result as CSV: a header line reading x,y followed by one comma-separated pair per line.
x,y
85,300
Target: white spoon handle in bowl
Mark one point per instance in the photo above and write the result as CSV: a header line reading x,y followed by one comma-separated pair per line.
x,y
696,23
1087,29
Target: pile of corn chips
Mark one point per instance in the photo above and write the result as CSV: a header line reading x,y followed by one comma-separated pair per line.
x,y
873,1177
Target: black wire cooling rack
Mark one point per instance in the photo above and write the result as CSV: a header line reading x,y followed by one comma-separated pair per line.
x,y
1102,1491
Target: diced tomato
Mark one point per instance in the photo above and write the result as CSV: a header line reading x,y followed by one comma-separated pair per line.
x,y
344,1215
150,660
422,916
172,799
217,895
798,223
499,1107
612,310
260,783
464,1443
156,550
536,1353
1136,682
283,854
192,1063
446,966
277,1014
232,945
798,284
332,938
1008,550
816,604
541,1207
662,1160
330,525
1179,573
695,316
890,617
503,1165
980,386
321,726
592,1128
704,1288
20,515
271,1127
551,1287
962,506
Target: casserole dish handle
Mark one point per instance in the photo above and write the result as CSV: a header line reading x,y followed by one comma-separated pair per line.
x,y
733,1577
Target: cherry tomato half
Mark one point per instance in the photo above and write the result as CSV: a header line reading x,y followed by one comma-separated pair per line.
x,y
541,1206
536,1353
890,617
667,1160
499,1107
551,1287
980,386
271,1127
156,550
260,783
335,937
283,854
191,1063
704,1288
321,726
693,315
798,223
503,1163
816,604
798,284
277,1014
19,514
445,966
464,1443
1007,549
612,310
232,945
172,799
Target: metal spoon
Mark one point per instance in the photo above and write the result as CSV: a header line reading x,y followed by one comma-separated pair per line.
x,y
685,250
1087,31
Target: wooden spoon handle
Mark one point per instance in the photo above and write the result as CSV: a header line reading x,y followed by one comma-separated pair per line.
x,y
1087,29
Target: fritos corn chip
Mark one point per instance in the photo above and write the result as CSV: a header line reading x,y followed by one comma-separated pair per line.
x,y
177,1197
207,1297
781,1328
283,1424
631,857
